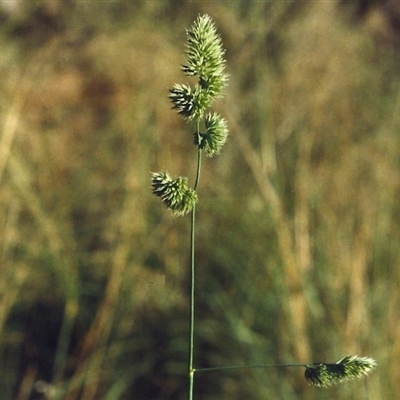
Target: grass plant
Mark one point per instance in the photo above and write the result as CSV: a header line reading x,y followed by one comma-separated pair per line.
x,y
205,60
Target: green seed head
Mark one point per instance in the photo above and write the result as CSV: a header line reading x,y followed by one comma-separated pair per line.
x,y
215,136
175,193
204,59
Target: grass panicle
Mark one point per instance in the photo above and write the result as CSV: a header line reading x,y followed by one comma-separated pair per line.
x,y
205,59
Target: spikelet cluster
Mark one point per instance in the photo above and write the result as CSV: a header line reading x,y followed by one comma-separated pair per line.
x,y
175,193
205,56
215,135
204,59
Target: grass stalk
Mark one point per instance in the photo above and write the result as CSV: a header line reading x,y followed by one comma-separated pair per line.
x,y
191,370
205,59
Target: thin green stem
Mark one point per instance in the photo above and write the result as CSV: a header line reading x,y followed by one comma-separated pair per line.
x,y
192,275
196,183
192,281
248,366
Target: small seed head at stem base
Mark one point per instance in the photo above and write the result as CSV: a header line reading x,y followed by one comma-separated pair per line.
x,y
347,368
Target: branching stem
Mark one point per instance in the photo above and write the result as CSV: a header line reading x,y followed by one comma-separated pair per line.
x,y
248,366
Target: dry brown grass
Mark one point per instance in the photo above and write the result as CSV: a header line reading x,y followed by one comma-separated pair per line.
x,y
299,230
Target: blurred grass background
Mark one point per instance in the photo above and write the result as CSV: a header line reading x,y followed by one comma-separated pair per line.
x,y
298,224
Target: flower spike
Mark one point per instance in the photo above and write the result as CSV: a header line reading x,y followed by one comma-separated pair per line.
x,y
205,59
205,56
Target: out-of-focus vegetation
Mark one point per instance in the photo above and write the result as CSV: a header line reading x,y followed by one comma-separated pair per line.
x,y
298,249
